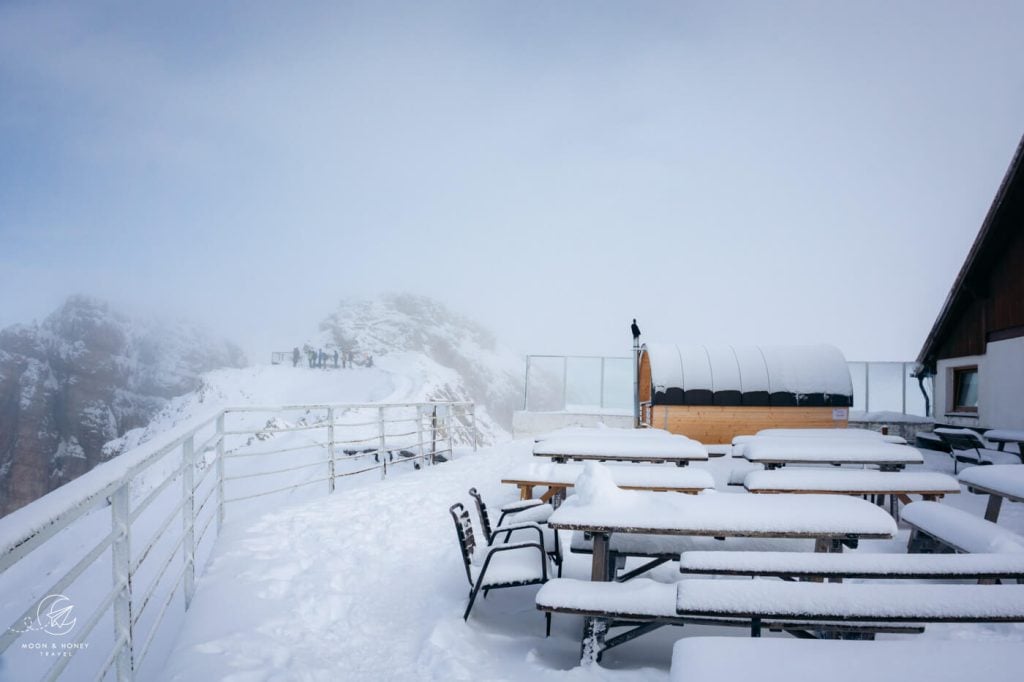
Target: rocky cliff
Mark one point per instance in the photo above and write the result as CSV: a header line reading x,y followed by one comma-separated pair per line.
x,y
81,378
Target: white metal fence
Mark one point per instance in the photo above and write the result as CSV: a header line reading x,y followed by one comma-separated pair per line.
x,y
95,595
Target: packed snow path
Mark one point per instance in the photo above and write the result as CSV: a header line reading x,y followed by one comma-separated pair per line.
x,y
368,584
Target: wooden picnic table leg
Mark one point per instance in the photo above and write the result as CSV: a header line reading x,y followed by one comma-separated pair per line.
x,y
992,508
525,492
594,629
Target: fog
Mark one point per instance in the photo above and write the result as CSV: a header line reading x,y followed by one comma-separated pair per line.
x,y
750,173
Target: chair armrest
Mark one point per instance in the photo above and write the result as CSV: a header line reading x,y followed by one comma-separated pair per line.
x,y
515,527
517,545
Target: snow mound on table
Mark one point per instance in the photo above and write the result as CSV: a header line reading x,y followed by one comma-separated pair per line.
x,y
596,485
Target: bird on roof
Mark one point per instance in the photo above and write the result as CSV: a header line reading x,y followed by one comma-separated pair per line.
x,y
635,329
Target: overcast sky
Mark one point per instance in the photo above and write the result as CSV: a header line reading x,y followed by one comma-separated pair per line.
x,y
725,172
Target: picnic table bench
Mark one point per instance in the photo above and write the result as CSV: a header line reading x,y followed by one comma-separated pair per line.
x,y
678,450
712,659
998,481
834,433
557,477
660,549
758,600
800,565
897,485
774,452
646,605
940,527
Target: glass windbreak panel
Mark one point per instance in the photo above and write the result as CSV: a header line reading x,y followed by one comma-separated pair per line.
x,y
915,399
859,379
545,384
965,383
885,387
583,384
618,384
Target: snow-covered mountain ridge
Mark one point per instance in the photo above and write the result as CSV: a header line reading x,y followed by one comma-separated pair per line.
x,y
491,374
88,374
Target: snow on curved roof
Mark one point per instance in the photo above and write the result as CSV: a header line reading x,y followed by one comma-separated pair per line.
x,y
814,375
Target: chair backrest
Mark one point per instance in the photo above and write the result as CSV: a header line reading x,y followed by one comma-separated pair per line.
x,y
464,529
481,509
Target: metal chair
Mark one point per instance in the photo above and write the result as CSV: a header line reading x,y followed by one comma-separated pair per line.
x,y
516,563
963,441
532,517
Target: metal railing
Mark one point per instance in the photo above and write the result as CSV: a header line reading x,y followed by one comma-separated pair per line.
x,y
164,497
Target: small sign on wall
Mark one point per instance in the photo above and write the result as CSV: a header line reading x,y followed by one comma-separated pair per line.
x,y
840,413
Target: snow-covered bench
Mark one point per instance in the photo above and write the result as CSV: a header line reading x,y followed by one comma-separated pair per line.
x,y
898,485
647,605
863,565
761,600
663,548
940,527
711,659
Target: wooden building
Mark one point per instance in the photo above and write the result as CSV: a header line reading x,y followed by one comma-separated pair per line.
x,y
975,350
713,394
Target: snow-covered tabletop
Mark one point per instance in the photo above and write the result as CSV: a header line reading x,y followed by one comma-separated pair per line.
x,y
790,450
772,659
600,506
653,477
873,601
1005,436
851,481
671,448
1004,480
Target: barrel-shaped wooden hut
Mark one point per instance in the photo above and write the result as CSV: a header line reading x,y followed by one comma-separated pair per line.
x,y
714,393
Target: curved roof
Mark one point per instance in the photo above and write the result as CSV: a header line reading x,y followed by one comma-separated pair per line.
x,y
811,376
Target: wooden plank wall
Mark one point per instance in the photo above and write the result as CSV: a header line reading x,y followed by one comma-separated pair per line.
x,y
715,424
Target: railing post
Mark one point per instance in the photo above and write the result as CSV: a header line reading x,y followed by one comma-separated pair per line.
x,y
433,434
472,418
449,418
419,431
220,472
903,385
330,450
867,387
120,510
526,386
380,445
188,516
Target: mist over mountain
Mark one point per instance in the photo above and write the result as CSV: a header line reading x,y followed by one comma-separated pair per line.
x,y
84,376
491,373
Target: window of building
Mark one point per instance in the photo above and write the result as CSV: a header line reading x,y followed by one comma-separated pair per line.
x,y
965,389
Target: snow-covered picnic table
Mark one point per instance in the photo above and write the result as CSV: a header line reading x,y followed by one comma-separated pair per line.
x,y
679,450
603,432
711,659
931,485
557,477
774,451
999,481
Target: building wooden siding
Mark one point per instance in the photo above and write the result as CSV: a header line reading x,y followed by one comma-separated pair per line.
x,y
995,307
714,424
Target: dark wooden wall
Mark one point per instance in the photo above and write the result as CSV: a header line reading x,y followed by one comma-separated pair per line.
x,y
990,304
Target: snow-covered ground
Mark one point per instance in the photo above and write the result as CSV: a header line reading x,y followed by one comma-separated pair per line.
x,y
369,585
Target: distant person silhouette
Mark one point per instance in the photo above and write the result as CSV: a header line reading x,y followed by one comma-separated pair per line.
x,y
295,357
312,358
635,329
335,359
